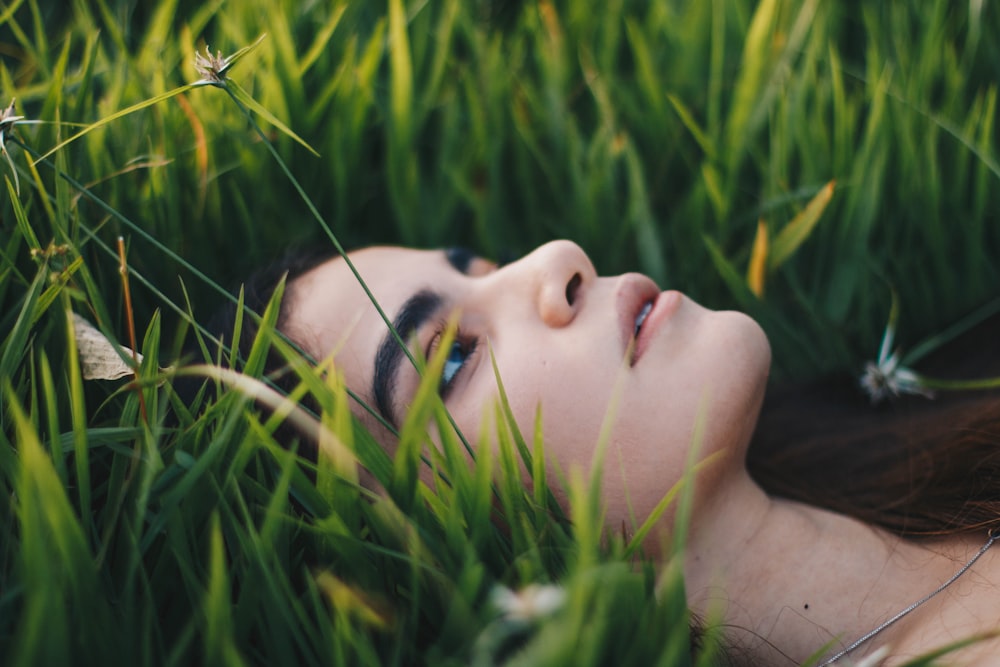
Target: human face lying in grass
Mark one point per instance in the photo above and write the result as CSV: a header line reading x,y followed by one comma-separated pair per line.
x,y
564,339
785,578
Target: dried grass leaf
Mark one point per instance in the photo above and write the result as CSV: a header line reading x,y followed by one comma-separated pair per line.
x,y
98,357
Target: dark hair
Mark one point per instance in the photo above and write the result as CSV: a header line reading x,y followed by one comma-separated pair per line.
x,y
258,290
916,467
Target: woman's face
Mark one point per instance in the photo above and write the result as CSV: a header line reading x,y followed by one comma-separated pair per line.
x,y
564,340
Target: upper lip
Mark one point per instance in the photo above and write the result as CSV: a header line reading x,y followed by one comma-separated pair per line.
x,y
634,292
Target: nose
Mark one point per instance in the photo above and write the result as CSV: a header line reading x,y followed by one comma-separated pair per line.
x,y
559,273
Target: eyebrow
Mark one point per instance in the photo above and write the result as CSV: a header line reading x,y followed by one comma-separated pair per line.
x,y
412,315
414,312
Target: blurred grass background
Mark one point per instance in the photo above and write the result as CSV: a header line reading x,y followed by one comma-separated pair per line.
x,y
660,136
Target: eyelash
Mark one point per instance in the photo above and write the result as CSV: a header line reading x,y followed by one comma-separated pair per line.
x,y
462,344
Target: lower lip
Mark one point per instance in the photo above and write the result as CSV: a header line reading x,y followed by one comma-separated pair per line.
x,y
664,306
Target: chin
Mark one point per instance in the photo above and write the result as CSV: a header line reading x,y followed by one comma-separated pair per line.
x,y
750,343
757,339
759,357
758,351
733,334
749,365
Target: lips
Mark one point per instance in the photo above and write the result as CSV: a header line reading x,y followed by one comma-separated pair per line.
x,y
642,309
663,308
641,326
636,298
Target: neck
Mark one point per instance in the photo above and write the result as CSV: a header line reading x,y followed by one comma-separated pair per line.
x,y
788,578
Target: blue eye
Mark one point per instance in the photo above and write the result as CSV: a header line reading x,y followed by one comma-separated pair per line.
x,y
458,355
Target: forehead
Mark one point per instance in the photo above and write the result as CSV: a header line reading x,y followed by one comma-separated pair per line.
x,y
328,303
328,310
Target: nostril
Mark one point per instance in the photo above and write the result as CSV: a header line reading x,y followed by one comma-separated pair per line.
x,y
572,287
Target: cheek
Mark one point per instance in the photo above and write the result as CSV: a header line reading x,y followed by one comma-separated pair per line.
x,y
571,397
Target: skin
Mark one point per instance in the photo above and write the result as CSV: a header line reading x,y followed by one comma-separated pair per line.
x,y
567,357
786,578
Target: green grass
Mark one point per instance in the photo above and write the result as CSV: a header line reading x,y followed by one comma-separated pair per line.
x,y
656,135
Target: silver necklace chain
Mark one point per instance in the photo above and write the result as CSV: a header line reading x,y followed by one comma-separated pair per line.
x,y
993,535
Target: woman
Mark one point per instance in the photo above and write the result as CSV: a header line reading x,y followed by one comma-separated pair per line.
x,y
789,577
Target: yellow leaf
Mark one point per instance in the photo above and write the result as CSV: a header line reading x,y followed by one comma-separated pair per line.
x,y
758,260
355,602
798,230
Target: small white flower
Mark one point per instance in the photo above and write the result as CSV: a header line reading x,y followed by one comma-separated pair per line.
x,y
530,603
885,378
